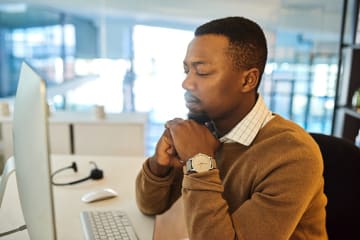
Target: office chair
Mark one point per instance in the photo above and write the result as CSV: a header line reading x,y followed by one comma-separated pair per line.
x,y
342,185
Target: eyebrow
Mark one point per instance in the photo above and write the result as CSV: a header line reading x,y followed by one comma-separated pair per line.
x,y
196,63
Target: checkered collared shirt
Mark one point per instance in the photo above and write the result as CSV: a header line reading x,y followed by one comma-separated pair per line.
x,y
247,129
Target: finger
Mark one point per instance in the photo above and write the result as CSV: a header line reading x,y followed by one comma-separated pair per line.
x,y
173,121
167,137
171,150
169,141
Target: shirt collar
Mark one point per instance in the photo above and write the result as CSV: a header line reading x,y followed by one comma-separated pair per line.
x,y
247,129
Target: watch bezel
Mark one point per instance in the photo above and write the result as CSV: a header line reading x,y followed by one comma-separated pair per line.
x,y
194,163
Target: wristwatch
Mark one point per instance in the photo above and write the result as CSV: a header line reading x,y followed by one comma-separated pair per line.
x,y
199,163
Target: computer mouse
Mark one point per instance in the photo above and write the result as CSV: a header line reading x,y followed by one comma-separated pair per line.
x,y
98,195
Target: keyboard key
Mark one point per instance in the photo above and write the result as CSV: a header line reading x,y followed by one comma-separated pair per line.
x,y
113,225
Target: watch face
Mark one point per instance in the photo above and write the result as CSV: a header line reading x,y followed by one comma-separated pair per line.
x,y
201,163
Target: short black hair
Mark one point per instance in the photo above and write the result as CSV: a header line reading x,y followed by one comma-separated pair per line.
x,y
247,42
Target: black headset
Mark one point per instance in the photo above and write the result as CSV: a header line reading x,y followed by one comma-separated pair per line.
x,y
95,174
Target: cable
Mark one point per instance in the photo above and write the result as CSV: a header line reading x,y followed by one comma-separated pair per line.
x,y
73,166
95,174
21,228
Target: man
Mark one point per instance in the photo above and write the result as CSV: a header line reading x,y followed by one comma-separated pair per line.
x,y
259,176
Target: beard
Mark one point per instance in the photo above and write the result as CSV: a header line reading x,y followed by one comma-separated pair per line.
x,y
201,118
195,114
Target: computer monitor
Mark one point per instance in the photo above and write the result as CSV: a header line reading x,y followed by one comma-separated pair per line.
x,y
31,153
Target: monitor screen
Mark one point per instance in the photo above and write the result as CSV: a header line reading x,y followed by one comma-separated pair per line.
x,y
31,153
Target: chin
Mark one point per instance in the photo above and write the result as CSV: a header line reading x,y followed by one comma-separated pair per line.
x,y
201,118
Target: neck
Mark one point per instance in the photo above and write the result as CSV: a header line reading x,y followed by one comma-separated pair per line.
x,y
224,124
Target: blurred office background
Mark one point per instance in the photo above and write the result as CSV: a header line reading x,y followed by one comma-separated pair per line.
x,y
127,55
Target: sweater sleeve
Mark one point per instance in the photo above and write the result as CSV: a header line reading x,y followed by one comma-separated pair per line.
x,y
206,212
280,195
154,195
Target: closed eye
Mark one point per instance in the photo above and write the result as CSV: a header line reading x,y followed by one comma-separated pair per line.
x,y
203,74
186,71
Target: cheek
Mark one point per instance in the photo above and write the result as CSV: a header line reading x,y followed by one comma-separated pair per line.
x,y
228,86
218,97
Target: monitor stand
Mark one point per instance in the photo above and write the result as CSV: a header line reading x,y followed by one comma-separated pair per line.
x,y
8,170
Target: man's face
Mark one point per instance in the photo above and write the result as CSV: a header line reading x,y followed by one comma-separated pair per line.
x,y
213,87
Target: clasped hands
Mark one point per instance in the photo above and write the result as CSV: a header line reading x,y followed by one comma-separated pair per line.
x,y
181,140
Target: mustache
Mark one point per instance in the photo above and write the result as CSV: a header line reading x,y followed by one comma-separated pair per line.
x,y
189,97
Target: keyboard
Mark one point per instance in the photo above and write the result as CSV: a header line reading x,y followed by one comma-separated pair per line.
x,y
109,225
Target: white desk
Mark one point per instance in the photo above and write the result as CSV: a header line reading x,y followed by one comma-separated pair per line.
x,y
119,174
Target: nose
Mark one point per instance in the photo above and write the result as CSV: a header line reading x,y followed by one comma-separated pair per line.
x,y
188,83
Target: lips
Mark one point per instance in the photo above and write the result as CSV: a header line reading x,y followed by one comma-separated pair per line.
x,y
192,106
192,102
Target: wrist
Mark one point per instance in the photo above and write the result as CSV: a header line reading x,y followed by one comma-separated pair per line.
x,y
199,163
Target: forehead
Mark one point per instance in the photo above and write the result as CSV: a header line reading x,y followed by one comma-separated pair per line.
x,y
208,46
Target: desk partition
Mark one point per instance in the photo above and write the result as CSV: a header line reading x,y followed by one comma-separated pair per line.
x,y
59,137
114,138
81,133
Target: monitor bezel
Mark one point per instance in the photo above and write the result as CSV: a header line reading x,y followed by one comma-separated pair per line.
x,y
32,155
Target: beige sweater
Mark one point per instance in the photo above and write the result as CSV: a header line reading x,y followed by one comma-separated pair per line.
x,y
272,189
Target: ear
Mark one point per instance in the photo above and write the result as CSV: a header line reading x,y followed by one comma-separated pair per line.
x,y
250,79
